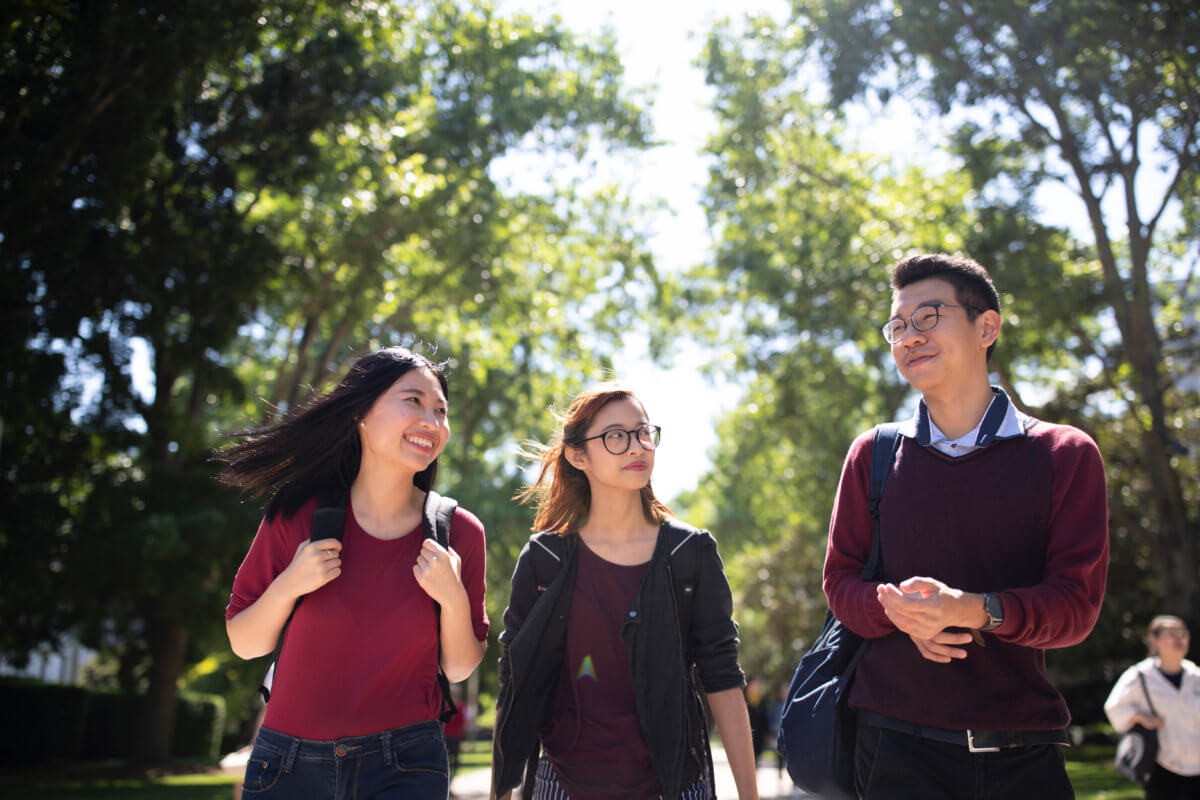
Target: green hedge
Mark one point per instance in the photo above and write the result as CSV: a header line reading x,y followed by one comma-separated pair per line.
x,y
111,724
70,723
42,721
199,725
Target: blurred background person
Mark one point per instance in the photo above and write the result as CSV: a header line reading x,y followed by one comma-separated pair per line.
x,y
1173,685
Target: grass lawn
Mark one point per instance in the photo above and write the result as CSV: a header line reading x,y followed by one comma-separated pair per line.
x,y
1092,774
1090,768
109,780
474,755
196,786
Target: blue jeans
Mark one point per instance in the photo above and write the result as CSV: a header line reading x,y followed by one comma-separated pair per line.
x,y
408,763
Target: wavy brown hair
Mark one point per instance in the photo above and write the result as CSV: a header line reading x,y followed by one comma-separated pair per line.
x,y
561,491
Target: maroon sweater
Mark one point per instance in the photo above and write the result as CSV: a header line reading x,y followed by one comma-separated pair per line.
x,y
1026,517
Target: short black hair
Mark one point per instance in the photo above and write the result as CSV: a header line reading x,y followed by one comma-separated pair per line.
x,y
972,283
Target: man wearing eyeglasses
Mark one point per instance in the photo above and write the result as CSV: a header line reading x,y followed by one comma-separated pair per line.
x,y
994,542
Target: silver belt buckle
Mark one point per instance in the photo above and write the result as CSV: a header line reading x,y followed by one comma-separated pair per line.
x,y
971,745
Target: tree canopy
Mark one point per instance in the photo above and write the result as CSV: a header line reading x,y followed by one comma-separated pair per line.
x,y
235,200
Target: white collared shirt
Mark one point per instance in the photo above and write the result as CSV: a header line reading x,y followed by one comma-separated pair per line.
x,y
1013,424
1179,709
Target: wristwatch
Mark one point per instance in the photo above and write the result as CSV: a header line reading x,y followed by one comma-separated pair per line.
x,y
994,608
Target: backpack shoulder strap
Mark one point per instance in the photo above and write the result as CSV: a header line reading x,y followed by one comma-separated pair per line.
x,y
884,444
436,518
329,522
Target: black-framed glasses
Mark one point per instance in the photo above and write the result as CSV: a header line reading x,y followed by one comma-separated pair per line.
x,y
616,440
923,318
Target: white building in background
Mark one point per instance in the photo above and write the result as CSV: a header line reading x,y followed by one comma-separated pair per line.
x,y
61,664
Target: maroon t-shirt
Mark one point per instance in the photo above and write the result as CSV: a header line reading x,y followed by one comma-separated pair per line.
x,y
360,655
594,738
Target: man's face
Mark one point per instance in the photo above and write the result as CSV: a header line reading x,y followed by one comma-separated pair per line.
x,y
953,349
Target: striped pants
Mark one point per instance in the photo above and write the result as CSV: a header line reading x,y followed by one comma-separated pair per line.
x,y
547,787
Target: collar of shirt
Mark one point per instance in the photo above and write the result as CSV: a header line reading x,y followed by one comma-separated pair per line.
x,y
1001,420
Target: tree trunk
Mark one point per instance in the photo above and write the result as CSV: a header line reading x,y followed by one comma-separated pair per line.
x,y
168,642
1179,566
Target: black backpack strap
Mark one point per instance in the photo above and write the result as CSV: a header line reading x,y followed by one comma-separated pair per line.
x,y
436,518
329,522
884,445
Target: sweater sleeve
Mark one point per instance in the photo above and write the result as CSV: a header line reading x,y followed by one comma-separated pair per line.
x,y
1125,700
1062,610
712,636
851,531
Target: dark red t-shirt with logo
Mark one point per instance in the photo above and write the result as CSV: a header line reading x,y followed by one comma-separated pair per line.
x,y
594,739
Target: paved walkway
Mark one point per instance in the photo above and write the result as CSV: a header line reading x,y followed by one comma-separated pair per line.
x,y
771,786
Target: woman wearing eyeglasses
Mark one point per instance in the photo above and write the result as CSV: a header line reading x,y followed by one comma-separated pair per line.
x,y
1162,692
619,616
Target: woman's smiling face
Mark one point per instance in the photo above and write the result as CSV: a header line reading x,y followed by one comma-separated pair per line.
x,y
407,425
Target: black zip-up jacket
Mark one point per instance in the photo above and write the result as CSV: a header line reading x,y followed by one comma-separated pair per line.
x,y
660,663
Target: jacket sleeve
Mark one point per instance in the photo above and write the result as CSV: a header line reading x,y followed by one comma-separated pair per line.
x,y
851,530
1062,610
523,594
1125,700
712,635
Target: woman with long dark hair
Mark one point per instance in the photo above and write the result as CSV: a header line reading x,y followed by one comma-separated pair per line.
x,y
619,616
355,697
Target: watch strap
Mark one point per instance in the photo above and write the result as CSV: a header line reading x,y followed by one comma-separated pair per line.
x,y
994,608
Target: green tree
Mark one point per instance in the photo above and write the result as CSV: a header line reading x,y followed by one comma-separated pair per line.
x,y
120,169
244,191
805,227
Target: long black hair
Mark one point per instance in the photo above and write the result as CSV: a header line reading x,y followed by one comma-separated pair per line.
x,y
316,446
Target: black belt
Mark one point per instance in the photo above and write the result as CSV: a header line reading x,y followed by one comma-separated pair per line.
x,y
975,741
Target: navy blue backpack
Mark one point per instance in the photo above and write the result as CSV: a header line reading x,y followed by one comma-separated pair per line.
x,y
816,732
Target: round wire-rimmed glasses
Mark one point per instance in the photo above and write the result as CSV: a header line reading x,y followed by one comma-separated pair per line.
x,y
923,318
616,440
